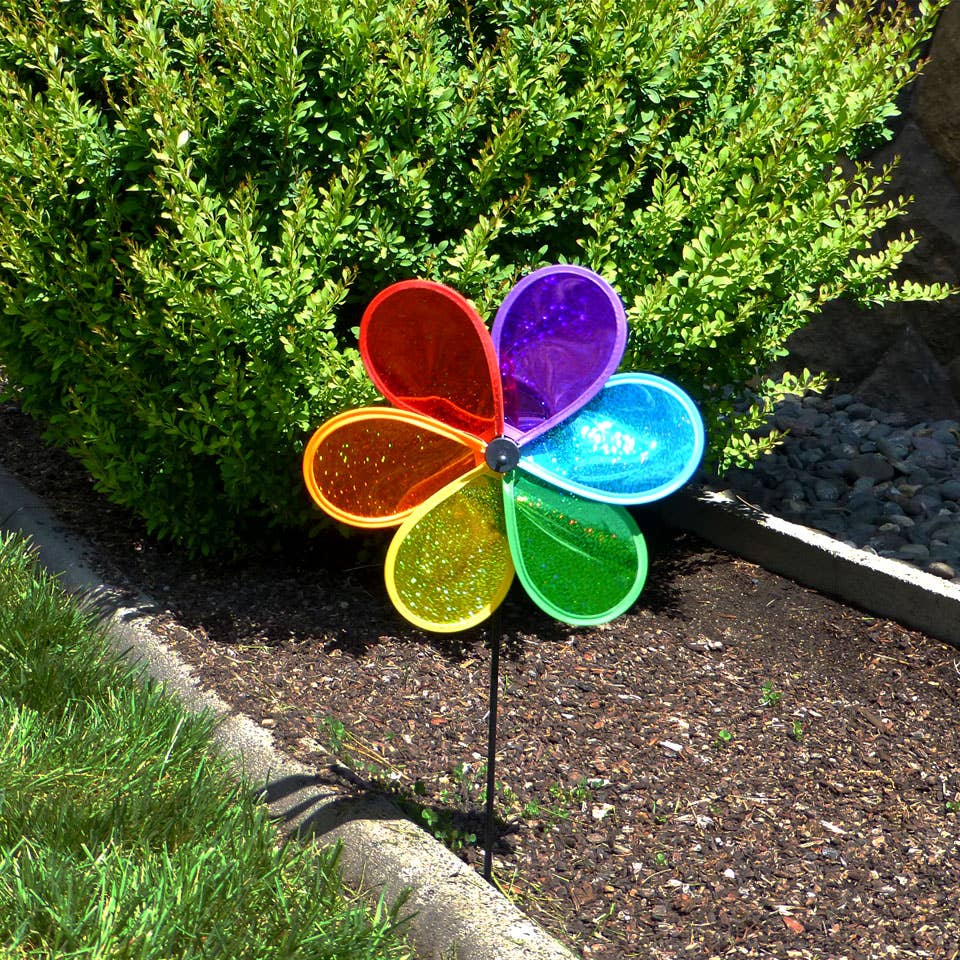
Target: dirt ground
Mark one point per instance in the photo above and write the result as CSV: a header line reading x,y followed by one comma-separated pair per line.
x,y
738,767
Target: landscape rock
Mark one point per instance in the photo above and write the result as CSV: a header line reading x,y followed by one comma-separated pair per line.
x,y
870,500
868,466
940,569
914,551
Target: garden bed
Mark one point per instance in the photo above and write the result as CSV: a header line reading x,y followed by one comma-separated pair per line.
x,y
739,767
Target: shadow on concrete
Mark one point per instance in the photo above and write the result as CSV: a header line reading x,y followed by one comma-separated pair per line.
x,y
307,812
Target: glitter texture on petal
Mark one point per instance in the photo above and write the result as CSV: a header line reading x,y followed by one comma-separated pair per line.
x,y
640,439
559,334
581,561
371,467
449,566
427,350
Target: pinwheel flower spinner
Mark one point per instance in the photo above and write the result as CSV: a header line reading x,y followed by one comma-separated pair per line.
x,y
514,450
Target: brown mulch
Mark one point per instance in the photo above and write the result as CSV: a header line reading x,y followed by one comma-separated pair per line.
x,y
739,767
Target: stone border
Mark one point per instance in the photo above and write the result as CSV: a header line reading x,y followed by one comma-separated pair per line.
x,y
453,912
878,585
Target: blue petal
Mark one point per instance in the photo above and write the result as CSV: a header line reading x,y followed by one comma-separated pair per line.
x,y
640,439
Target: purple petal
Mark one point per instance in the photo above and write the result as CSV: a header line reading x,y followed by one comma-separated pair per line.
x,y
559,334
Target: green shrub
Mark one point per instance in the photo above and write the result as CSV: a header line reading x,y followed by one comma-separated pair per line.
x,y
197,198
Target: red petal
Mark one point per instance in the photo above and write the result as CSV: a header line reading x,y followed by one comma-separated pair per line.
x,y
427,350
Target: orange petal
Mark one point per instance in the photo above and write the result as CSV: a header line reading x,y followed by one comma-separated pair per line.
x,y
371,467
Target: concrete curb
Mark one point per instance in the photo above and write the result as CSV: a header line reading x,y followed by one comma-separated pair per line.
x,y
453,912
887,588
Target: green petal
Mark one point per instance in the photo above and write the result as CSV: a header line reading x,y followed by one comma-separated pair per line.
x,y
581,561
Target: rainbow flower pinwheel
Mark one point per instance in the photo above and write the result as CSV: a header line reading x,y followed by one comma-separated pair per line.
x,y
514,450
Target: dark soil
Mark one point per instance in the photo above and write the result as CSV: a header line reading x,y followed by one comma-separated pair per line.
x,y
740,767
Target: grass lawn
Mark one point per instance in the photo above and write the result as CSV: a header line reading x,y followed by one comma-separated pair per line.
x,y
122,833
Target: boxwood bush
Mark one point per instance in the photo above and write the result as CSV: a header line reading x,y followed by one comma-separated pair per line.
x,y
197,197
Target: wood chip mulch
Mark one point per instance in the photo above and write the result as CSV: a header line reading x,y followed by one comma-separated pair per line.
x,y
739,767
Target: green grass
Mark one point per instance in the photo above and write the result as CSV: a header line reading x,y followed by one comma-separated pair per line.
x,y
122,833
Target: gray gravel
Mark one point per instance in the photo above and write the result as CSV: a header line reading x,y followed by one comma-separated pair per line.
x,y
868,477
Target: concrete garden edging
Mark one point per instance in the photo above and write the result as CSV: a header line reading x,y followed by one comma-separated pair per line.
x,y
881,586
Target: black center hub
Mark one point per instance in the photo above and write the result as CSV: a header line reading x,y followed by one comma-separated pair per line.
x,y
502,455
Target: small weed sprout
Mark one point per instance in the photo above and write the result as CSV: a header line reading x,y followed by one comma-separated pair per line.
x,y
769,695
444,807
